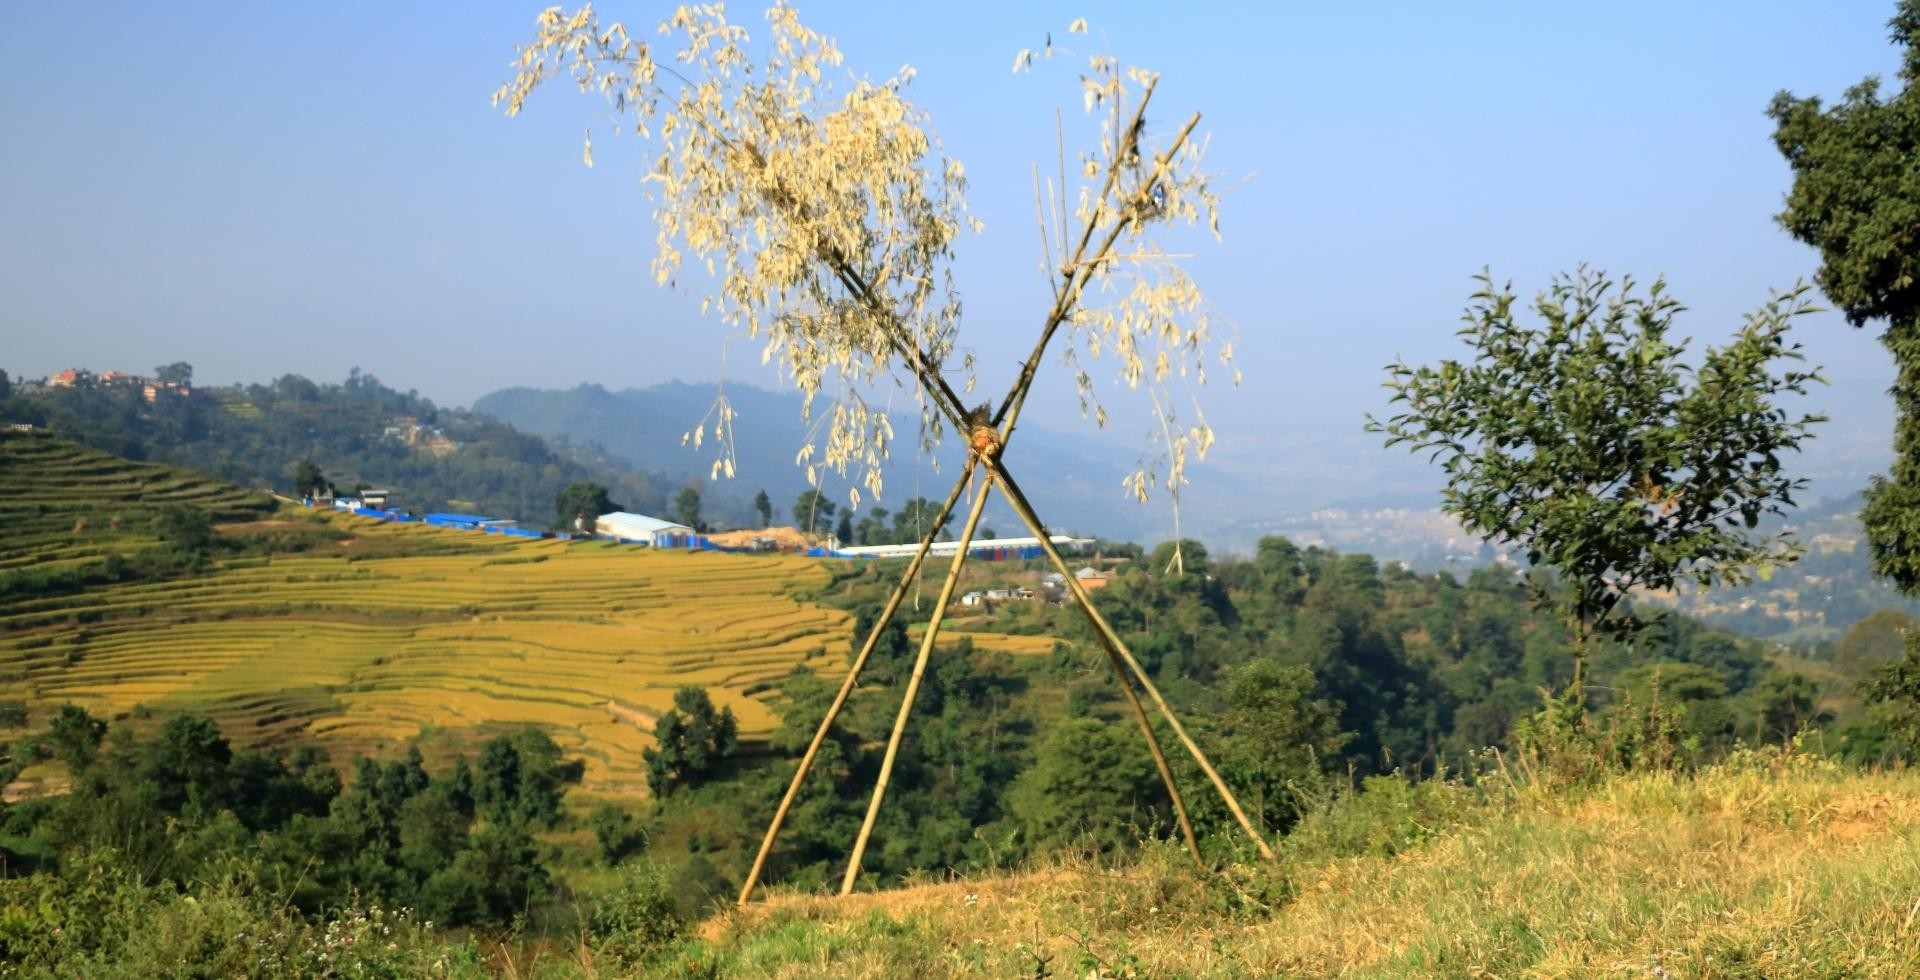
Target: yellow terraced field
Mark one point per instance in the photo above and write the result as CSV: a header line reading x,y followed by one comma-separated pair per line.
x,y
397,630
590,641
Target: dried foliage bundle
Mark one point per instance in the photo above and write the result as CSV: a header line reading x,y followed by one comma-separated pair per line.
x,y
825,214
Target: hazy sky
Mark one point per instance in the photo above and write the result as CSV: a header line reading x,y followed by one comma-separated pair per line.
x,y
272,188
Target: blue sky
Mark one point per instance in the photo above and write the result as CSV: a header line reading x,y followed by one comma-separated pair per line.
x,y
261,189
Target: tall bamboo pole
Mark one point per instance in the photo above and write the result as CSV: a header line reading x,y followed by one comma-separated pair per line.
x,y
1118,648
1074,278
913,686
1159,756
848,684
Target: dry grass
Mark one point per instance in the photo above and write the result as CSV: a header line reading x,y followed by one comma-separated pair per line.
x,y
1761,868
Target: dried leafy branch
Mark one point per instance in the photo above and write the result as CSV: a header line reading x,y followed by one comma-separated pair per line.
x,y
825,214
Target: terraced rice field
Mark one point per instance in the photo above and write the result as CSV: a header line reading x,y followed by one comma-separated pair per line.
x,y
395,631
585,639
63,504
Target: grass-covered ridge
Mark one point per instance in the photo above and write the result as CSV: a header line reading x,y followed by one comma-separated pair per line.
x,y
66,505
1766,866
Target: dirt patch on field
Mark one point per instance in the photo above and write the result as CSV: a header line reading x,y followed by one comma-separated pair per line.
x,y
644,721
781,537
255,527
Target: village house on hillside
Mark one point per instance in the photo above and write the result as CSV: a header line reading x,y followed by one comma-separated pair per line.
x,y
1093,578
152,390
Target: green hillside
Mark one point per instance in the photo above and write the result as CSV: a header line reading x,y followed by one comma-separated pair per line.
x,y
67,507
357,432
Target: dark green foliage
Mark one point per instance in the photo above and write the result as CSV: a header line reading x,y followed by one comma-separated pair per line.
x,y
188,530
813,511
891,661
1893,694
1091,785
519,779
184,804
694,742
1689,700
494,879
616,832
1278,741
686,507
576,507
75,736
247,434
1856,198
1593,443
638,916
1787,704
763,506
1877,639
308,480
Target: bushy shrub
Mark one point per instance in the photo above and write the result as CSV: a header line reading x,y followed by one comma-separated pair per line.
x,y
637,917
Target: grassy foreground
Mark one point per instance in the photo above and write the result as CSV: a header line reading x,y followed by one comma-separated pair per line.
x,y
1769,866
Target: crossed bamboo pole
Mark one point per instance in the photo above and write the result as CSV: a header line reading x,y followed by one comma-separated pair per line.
x,y
1076,273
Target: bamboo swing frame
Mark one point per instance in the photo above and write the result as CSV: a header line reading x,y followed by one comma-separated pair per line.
x,y
1088,256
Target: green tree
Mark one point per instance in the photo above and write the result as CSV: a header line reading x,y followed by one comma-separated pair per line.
x,y
844,529
1877,639
763,505
1892,693
75,736
686,507
1091,785
1280,740
910,522
693,742
813,511
616,831
186,529
1593,443
179,372
1787,703
307,478
521,778
1856,198
579,504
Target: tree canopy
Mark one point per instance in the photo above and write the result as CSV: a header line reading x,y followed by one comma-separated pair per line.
x,y
1856,198
579,504
1592,442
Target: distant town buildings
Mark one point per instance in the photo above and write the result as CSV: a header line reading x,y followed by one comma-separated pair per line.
x,y
151,389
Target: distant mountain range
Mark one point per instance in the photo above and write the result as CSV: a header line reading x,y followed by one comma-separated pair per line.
x,y
1074,480
1311,481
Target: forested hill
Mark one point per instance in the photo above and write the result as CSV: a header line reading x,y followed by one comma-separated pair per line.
x,y
357,432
